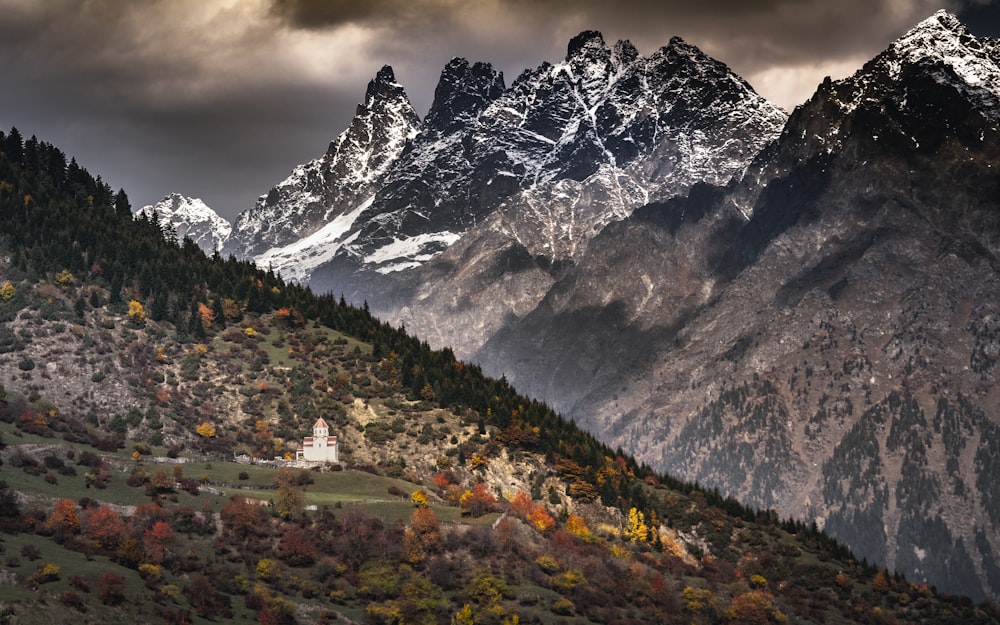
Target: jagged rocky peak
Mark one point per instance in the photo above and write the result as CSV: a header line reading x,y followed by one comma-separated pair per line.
x,y
340,180
682,61
624,53
589,60
379,130
384,86
940,47
462,93
587,47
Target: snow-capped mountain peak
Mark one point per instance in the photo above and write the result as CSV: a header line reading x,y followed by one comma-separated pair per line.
x,y
939,46
190,218
337,183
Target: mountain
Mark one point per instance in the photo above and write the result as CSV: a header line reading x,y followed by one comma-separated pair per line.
x,y
543,165
820,335
131,491
324,197
191,218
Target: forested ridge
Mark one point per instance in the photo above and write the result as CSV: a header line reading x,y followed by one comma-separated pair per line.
x,y
593,537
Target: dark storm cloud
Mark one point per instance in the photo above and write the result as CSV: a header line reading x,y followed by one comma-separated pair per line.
x,y
752,34
221,98
160,96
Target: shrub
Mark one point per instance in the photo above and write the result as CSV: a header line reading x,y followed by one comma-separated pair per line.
x,y
111,588
73,600
563,607
47,573
31,552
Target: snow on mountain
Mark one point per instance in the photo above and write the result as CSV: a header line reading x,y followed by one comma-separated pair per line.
x,y
297,261
566,149
339,182
943,40
574,147
190,218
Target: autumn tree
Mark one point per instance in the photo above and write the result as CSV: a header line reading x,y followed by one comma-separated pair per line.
x,y
161,482
129,552
208,602
136,313
242,519
540,519
577,526
205,315
698,600
755,608
289,502
423,535
104,527
296,547
419,498
477,501
63,522
232,309
535,514
156,540
636,529
111,588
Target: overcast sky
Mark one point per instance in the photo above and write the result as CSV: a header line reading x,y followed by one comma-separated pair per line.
x,y
219,99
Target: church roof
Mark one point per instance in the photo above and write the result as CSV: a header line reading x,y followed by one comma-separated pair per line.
x,y
320,423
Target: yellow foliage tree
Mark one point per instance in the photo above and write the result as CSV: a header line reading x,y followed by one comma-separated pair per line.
x,y
205,430
64,278
636,529
697,599
464,616
419,497
136,313
577,526
266,568
7,291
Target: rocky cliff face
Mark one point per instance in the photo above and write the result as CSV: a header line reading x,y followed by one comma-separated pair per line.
x,y
819,336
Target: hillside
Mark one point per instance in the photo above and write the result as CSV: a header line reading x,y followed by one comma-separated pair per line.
x,y
457,500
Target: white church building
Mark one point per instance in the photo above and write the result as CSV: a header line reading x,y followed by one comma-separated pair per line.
x,y
320,447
